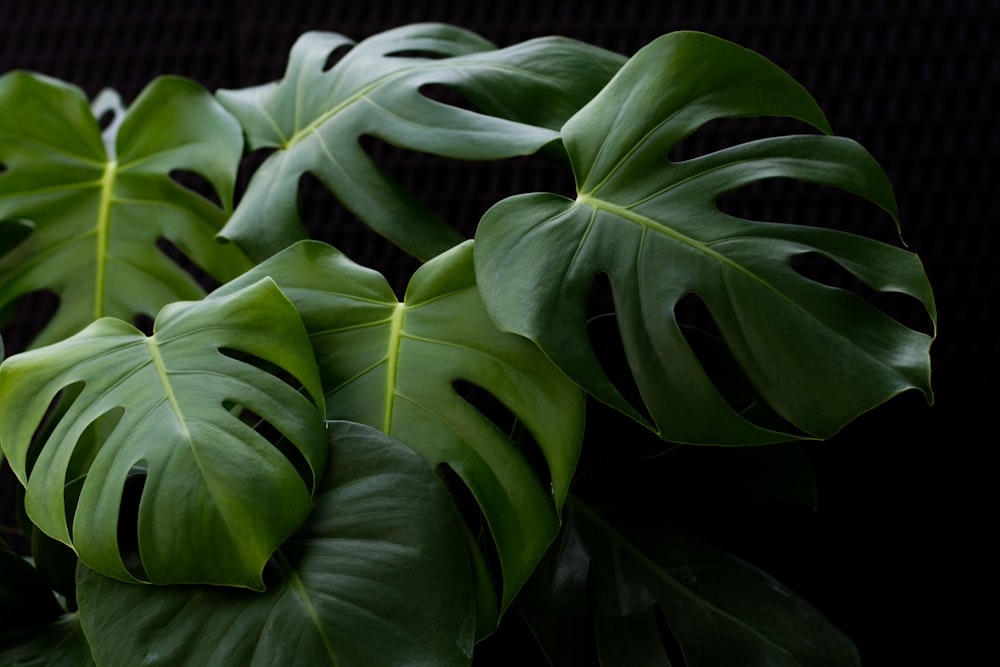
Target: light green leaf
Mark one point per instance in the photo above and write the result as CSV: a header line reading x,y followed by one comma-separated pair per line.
x,y
154,413
82,219
818,356
393,365
378,575
315,118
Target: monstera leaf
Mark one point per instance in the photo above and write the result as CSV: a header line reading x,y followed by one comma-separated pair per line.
x,y
817,355
217,497
81,215
315,117
378,575
394,366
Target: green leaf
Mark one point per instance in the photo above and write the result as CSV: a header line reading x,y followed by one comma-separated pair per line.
x,y
152,418
818,356
315,118
393,365
24,596
57,644
378,575
720,610
80,216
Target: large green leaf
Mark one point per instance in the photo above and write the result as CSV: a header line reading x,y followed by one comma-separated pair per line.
x,y
378,575
719,609
817,355
315,118
80,215
217,497
393,365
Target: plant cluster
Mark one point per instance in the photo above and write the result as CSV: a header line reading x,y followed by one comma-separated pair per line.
x,y
295,466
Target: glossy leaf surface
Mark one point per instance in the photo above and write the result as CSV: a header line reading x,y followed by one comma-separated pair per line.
x,y
817,355
217,497
378,575
393,365
315,117
81,214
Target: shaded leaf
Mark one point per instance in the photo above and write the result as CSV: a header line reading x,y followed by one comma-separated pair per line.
x,y
216,496
720,610
57,644
315,117
393,365
80,215
378,575
819,356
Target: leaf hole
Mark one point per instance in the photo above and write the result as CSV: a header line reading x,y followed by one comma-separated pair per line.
x,y
786,200
128,521
264,365
507,422
178,256
901,307
335,57
671,647
270,432
606,341
195,182
250,165
702,334
106,118
424,54
446,95
57,408
85,450
327,220
13,232
26,318
473,517
143,323
721,133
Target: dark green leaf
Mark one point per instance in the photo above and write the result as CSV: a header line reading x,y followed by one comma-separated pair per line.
x,y
153,418
378,575
80,216
819,356
315,117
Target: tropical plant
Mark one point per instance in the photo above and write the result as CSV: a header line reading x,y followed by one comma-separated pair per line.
x,y
295,466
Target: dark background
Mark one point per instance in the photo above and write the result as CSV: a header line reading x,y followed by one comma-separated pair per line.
x,y
899,553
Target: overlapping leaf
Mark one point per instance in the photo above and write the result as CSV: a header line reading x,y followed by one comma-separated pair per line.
x,y
719,609
394,365
315,118
818,356
217,497
378,575
80,216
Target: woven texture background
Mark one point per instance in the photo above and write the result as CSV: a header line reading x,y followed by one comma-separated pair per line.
x,y
905,491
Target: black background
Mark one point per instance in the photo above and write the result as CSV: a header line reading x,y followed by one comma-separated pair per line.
x,y
899,554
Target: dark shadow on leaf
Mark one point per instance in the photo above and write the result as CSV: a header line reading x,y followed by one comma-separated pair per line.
x,y
270,433
57,408
671,648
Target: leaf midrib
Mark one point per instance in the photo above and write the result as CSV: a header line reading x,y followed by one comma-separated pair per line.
x,y
619,540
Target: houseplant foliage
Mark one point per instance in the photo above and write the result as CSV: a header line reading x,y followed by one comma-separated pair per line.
x,y
298,466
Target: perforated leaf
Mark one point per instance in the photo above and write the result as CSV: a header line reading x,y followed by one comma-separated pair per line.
x,y
394,366
160,415
818,356
378,575
81,214
314,118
